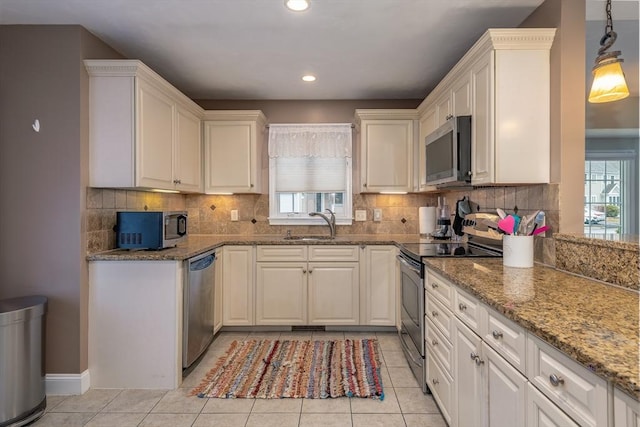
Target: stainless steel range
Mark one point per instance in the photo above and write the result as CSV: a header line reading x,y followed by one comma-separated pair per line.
x,y
413,294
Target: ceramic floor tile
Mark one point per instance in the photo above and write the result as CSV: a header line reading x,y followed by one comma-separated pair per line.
x,y
135,401
326,406
389,341
424,420
64,419
327,336
413,401
221,420
402,377
54,400
112,419
196,376
386,379
378,420
168,420
277,405
296,335
394,359
264,335
375,406
93,400
179,402
229,406
273,420
360,335
325,420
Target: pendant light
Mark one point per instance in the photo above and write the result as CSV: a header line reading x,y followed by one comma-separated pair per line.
x,y
609,83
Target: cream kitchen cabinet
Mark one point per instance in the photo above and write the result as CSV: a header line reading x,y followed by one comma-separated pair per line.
x,y
541,412
626,410
386,150
217,292
506,391
144,133
235,152
238,286
378,285
469,374
307,285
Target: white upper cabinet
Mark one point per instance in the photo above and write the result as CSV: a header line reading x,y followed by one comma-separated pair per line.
x,y
386,154
503,82
144,133
234,146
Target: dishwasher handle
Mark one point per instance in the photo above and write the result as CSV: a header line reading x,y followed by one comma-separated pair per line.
x,y
202,263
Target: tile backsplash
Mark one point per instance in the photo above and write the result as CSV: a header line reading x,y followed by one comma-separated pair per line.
x,y
211,214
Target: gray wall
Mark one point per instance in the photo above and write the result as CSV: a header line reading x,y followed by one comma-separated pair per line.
x,y
43,179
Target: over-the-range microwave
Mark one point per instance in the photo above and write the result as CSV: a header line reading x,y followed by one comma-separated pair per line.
x,y
448,153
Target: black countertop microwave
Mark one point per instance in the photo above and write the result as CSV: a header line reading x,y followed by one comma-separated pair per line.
x,y
448,153
150,230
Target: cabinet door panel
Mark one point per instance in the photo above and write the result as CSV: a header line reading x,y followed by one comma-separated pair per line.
x,y
237,290
154,137
469,392
461,95
334,293
379,286
188,157
281,293
229,156
482,128
387,155
506,391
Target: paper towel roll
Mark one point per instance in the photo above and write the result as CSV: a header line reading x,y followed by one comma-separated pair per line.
x,y
427,219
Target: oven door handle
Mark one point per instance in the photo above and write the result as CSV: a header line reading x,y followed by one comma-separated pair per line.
x,y
407,265
408,350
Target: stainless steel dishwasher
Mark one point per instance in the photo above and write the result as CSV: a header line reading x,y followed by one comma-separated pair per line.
x,y
197,325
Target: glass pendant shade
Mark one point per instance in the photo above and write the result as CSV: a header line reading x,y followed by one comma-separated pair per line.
x,y
609,83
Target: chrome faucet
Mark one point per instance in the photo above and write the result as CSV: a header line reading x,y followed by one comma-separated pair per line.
x,y
331,222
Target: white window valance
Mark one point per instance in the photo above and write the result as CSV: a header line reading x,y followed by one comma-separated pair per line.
x,y
310,140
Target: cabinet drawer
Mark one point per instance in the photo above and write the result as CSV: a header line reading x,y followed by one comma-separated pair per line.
x,y
440,347
440,288
541,412
469,310
441,386
506,338
578,392
439,316
281,253
333,253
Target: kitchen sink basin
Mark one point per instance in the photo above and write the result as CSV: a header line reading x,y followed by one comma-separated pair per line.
x,y
308,238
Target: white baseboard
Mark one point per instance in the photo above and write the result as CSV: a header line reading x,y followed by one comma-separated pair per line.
x,y
67,384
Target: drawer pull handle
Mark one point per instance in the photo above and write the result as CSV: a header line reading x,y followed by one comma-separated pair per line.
x,y
479,361
434,342
462,307
556,380
496,334
435,381
434,313
434,285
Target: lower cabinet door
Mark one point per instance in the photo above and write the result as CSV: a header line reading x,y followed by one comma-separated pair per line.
x,y
544,413
281,293
334,293
506,391
468,373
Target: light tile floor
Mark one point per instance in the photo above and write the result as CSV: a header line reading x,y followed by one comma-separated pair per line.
x,y
404,404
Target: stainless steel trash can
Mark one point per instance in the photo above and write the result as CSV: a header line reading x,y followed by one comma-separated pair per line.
x,y
22,392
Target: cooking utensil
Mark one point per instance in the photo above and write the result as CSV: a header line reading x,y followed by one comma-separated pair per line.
x,y
502,214
507,224
540,230
516,223
526,224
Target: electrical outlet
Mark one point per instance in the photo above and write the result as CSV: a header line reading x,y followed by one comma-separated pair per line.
x,y
377,215
234,215
361,215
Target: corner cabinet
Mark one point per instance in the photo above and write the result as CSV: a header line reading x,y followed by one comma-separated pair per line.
x,y
144,133
235,152
503,82
386,150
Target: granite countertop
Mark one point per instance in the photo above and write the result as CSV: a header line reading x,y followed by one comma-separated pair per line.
x,y
197,244
596,324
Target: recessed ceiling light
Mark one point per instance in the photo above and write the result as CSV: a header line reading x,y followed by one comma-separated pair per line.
x,y
309,78
297,5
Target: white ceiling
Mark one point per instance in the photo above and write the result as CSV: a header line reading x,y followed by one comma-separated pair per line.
x,y
257,49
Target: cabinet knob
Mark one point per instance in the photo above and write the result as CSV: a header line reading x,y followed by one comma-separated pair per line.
x,y
434,285
434,342
479,361
310,271
434,313
304,271
364,185
496,334
435,381
176,181
251,185
462,307
556,380
473,356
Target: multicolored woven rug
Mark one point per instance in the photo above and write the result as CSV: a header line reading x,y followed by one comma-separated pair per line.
x,y
273,369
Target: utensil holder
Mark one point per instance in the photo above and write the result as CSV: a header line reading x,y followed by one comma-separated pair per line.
x,y
517,251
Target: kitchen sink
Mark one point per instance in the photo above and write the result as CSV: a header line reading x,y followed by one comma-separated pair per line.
x,y
308,238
